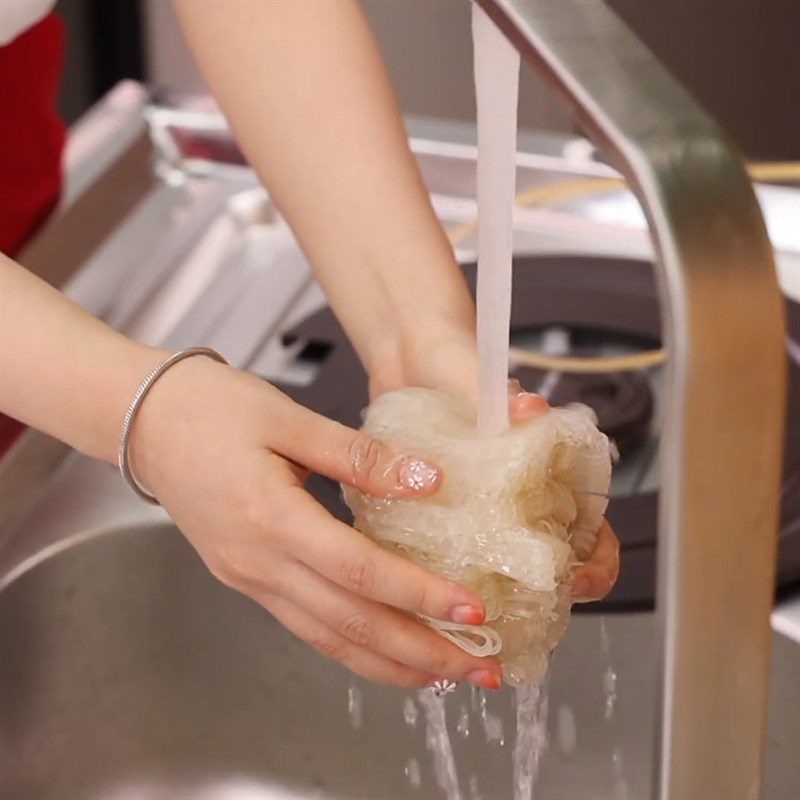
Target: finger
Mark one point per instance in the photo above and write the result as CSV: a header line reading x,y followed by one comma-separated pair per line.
x,y
354,562
385,631
595,579
332,645
523,405
352,457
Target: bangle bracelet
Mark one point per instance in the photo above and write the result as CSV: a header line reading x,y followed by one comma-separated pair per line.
x,y
136,403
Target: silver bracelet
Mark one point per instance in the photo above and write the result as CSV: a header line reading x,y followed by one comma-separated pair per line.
x,y
133,409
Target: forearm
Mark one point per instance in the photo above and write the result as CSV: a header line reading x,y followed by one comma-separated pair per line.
x,y
308,96
61,370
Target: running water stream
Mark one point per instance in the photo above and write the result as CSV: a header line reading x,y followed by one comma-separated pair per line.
x,y
496,90
437,740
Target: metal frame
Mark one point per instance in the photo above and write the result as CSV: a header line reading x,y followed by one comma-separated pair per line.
x,y
721,449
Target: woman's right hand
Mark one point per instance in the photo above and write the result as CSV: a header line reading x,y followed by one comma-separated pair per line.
x,y
227,454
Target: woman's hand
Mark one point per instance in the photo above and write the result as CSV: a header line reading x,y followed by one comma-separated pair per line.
x,y
448,361
594,579
227,454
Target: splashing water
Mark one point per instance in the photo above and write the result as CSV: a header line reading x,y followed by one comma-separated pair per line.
x,y
474,697
621,791
610,691
531,702
492,724
610,674
463,722
437,740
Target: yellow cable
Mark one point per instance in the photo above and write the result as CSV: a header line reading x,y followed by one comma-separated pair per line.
x,y
779,171
644,360
765,171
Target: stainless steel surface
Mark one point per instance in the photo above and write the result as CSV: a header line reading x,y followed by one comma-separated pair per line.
x,y
722,437
129,673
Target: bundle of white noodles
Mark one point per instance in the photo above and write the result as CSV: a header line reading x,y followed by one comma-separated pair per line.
x,y
514,515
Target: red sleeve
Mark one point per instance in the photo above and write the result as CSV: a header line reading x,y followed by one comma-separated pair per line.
x,y
31,141
31,134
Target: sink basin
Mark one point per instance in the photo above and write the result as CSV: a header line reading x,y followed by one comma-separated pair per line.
x,y
129,673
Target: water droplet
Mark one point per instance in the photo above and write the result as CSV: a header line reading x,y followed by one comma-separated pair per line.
x,y
355,703
531,739
410,712
610,690
463,722
412,772
492,724
620,784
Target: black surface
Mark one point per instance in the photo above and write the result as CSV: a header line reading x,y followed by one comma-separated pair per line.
x,y
117,52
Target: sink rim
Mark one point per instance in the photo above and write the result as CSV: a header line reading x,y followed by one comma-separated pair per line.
x,y
74,540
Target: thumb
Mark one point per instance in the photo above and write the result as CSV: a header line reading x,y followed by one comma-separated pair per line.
x,y
371,465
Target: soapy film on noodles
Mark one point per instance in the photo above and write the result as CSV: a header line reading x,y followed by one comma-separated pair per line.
x,y
515,514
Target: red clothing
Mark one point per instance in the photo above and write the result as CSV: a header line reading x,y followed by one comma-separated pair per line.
x,y
31,142
31,133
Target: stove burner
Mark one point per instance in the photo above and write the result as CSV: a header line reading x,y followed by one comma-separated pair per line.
x,y
617,297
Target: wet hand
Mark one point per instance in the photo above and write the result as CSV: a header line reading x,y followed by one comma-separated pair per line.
x,y
594,579
227,455
450,363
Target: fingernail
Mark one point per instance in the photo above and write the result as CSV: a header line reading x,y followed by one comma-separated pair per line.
x,y
581,587
467,614
416,474
482,677
515,386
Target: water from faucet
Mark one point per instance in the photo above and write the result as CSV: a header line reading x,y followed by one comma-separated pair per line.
x,y
496,90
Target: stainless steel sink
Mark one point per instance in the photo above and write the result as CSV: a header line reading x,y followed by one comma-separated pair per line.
x,y
129,673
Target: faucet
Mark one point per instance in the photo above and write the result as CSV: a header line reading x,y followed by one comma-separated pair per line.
x,y
722,434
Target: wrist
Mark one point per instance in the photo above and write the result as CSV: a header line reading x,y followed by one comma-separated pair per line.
x,y
435,354
173,415
125,366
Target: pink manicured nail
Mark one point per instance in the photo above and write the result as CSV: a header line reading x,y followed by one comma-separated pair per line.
x,y
482,677
416,474
467,614
531,399
525,405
